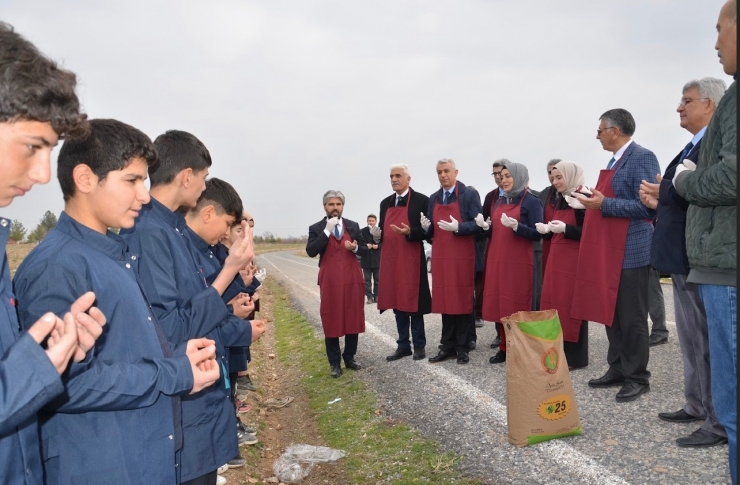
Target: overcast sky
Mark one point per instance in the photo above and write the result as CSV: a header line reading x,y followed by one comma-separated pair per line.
x,y
293,98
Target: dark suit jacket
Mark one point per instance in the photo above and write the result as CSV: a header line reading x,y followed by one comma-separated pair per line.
x,y
372,259
668,251
318,240
417,204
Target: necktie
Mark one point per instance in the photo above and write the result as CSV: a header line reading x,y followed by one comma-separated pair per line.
x,y
399,199
336,231
445,197
685,151
611,163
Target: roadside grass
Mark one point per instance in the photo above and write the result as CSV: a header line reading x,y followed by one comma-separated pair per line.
x,y
379,450
262,248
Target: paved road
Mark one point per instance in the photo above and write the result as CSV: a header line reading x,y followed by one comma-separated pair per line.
x,y
464,406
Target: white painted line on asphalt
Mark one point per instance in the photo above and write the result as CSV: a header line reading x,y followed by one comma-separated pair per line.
x,y
557,451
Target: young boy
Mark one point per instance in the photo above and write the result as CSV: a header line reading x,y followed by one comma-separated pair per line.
x,y
215,214
184,302
38,105
116,421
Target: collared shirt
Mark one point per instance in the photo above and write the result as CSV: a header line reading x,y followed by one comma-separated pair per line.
x,y
186,307
405,193
28,380
699,135
340,226
124,385
621,151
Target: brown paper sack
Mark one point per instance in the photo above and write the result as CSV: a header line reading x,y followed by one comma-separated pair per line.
x,y
540,402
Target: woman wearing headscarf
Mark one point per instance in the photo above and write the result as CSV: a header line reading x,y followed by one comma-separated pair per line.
x,y
510,272
564,231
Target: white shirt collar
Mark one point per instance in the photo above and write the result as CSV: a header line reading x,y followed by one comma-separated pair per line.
x,y
699,135
402,195
621,151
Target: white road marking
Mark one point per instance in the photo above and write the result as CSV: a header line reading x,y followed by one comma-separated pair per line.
x,y
561,453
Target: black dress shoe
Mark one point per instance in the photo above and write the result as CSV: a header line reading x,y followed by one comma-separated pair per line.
x,y
631,391
607,380
496,342
398,354
462,358
678,417
701,439
419,353
352,364
472,344
336,371
441,356
656,339
498,358
478,323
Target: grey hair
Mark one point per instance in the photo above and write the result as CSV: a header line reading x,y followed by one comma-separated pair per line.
x,y
708,87
403,167
501,162
331,194
620,118
552,162
447,160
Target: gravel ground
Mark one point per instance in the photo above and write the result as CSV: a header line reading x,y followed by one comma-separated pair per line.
x,y
464,406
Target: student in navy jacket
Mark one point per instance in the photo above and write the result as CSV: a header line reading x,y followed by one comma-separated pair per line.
x,y
115,422
38,106
184,302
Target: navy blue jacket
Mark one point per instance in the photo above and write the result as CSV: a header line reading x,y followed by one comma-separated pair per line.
x,y
469,208
187,307
28,380
637,164
668,252
115,421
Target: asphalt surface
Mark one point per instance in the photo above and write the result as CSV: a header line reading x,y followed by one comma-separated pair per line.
x,y
463,407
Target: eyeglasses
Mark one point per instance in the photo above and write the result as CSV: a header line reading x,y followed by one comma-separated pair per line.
x,y
685,101
496,174
598,130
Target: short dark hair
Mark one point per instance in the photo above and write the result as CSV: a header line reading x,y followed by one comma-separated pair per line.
x,y
109,145
222,196
371,215
177,150
33,88
621,118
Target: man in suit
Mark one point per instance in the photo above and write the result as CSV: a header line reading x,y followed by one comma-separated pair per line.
x,y
338,242
615,246
697,105
490,200
370,263
405,287
451,224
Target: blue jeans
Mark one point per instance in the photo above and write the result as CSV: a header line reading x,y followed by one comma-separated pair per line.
x,y
720,304
416,322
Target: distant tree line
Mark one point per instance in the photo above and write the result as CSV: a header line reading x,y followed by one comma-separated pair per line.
x,y
19,233
270,238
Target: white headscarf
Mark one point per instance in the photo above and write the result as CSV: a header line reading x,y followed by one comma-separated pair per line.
x,y
572,174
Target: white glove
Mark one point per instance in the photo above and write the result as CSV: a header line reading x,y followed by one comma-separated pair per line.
x,y
582,189
331,224
425,223
509,222
686,165
556,226
261,275
481,223
542,228
449,226
376,231
573,202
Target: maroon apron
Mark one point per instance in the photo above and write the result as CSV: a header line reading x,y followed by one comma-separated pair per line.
x,y
600,259
549,216
509,271
557,287
400,263
453,264
342,289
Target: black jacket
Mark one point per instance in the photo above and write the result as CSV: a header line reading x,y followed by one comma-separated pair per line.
x,y
668,250
418,204
372,259
318,240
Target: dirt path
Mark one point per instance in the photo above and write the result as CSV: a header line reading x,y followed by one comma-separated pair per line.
x,y
292,424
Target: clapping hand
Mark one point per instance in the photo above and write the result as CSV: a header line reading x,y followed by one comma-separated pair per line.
x,y
481,223
425,223
448,226
510,222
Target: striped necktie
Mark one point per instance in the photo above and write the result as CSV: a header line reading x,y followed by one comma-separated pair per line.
x,y
686,151
611,164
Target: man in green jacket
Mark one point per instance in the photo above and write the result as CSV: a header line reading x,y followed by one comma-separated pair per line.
x,y
711,238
